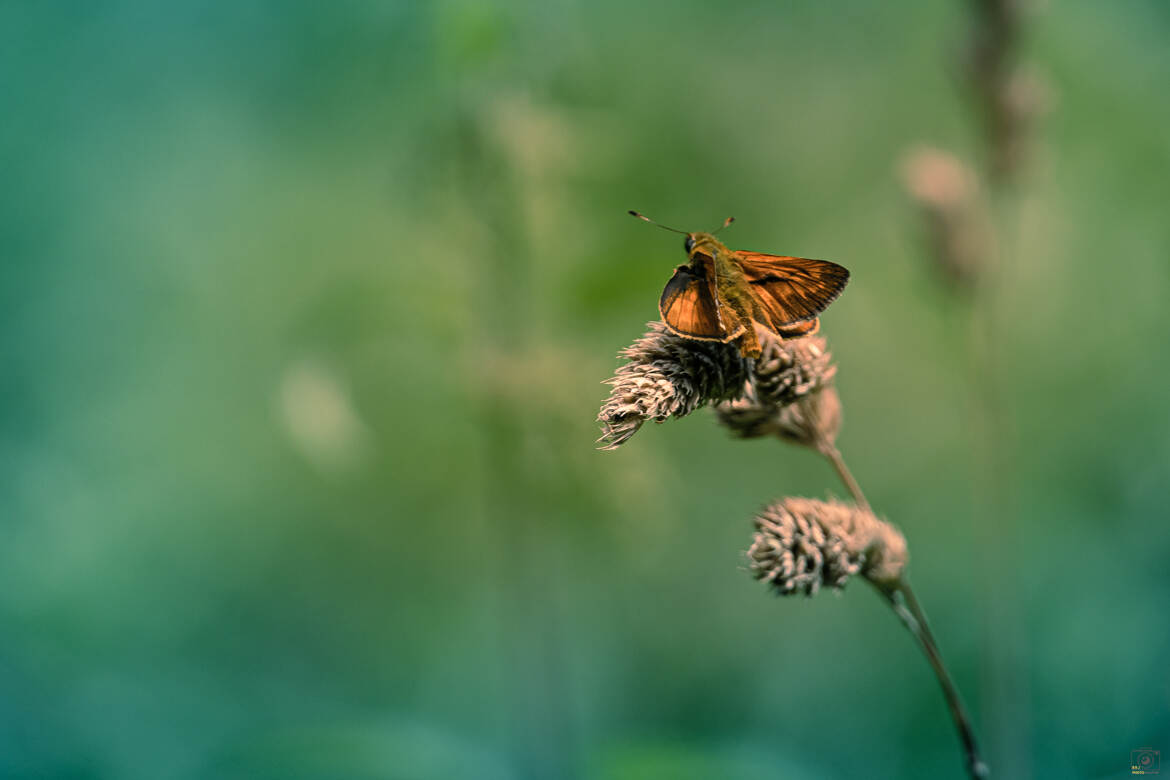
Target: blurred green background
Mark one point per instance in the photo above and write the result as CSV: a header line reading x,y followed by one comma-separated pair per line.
x,y
306,307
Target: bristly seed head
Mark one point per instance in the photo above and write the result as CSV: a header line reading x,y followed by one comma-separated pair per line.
x,y
790,394
802,544
668,376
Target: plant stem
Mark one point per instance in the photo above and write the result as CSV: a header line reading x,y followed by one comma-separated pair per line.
x,y
833,455
905,605
910,612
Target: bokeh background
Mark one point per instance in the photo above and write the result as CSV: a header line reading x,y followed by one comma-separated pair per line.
x,y
306,308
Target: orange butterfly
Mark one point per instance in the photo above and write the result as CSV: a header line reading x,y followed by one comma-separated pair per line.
x,y
718,295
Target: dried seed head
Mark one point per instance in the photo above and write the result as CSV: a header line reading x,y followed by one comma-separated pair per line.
x,y
790,369
1021,102
789,394
668,376
814,421
802,544
938,180
992,55
947,193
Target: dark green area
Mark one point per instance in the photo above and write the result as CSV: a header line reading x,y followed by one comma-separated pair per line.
x,y
305,310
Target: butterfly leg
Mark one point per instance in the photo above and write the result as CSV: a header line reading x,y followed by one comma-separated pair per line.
x,y
719,317
720,303
749,343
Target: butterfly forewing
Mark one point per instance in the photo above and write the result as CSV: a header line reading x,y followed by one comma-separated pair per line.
x,y
688,307
791,289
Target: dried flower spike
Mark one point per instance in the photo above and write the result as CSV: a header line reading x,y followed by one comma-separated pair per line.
x,y
789,395
813,422
668,376
802,544
790,369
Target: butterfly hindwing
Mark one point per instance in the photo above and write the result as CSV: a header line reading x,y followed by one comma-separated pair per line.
x,y
802,328
791,289
688,307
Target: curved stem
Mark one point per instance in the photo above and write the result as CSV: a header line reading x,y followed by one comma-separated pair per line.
x,y
910,612
905,605
833,455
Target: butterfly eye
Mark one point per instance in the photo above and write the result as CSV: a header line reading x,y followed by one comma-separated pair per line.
x,y
689,244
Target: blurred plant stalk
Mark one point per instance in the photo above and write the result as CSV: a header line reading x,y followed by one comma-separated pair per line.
x,y
964,220
1009,97
508,158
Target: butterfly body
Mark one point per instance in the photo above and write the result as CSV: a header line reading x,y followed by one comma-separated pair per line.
x,y
720,293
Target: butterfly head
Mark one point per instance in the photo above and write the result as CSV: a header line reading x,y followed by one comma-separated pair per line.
x,y
706,243
701,243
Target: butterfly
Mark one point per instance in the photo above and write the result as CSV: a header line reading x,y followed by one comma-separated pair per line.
x,y
721,292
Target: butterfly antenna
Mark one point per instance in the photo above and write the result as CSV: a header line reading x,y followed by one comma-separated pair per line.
x,y
726,222
645,218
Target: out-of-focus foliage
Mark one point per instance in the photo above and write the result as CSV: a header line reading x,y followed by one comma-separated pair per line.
x,y
305,309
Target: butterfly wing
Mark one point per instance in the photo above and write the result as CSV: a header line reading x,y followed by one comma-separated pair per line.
x,y
802,328
688,307
791,289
